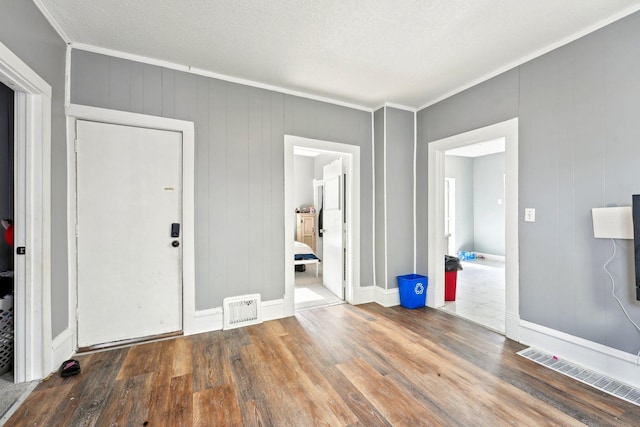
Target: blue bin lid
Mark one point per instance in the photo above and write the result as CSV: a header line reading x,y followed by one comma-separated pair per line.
x,y
411,277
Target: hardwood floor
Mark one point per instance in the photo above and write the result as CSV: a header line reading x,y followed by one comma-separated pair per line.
x,y
334,366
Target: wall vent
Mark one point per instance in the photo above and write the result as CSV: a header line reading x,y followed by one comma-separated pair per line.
x,y
241,311
594,379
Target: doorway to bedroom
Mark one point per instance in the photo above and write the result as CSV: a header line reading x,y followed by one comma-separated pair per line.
x,y
319,187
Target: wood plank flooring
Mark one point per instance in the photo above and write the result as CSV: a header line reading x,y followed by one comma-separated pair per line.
x,y
335,366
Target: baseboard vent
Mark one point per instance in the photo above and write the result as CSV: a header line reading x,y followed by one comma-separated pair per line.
x,y
594,379
241,311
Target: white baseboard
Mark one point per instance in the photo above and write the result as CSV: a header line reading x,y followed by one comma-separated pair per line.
x,y
512,326
211,319
62,348
274,309
207,320
608,361
363,295
387,297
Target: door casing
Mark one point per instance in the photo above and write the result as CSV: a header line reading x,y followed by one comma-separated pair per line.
x,y
436,241
75,112
354,293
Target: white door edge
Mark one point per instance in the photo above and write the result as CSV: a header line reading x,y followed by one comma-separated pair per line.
x,y
82,112
351,159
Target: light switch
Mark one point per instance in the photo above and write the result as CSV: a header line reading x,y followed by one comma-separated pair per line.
x,y
530,215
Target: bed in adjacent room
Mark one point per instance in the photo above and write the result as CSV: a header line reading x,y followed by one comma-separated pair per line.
x,y
303,255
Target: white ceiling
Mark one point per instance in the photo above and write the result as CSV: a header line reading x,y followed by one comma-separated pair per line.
x,y
363,52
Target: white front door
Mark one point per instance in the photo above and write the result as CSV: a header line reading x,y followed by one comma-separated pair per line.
x,y
129,193
332,225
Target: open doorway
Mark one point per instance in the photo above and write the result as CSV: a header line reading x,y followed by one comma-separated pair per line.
x,y
7,209
319,183
337,192
437,245
474,213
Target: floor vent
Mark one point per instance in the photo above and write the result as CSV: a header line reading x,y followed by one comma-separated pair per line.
x,y
241,311
594,379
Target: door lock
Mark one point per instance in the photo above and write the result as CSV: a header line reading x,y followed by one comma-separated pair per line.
x,y
175,243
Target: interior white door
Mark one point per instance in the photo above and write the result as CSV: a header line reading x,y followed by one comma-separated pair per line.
x,y
129,193
332,225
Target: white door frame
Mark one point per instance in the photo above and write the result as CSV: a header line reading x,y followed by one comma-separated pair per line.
x,y
436,241
82,112
351,159
33,349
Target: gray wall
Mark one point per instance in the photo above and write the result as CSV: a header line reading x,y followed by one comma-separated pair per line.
x,y
240,158
378,131
27,34
303,174
399,169
393,128
6,171
578,149
488,214
461,168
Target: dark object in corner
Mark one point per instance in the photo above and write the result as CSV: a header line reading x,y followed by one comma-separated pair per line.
x,y
69,367
452,263
301,268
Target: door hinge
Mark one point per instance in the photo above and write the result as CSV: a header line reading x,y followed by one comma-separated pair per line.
x,y
77,229
75,145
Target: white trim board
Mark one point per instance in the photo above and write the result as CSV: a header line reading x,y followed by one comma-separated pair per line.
x,y
351,159
77,112
387,297
436,241
605,360
33,355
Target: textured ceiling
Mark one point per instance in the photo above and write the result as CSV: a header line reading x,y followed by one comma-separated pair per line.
x,y
365,52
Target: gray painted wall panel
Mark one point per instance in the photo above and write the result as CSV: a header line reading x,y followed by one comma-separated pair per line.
x,y
239,167
28,35
136,87
577,109
202,211
168,92
119,84
480,106
152,96
461,169
422,188
91,94
399,168
378,121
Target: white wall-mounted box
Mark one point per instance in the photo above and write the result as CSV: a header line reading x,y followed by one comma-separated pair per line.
x,y
612,223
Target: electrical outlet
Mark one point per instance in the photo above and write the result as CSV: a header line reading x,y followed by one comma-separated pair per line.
x,y
530,215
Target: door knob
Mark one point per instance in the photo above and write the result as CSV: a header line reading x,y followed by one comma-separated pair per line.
x,y
175,243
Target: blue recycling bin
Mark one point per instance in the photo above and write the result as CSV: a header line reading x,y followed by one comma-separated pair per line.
x,y
413,290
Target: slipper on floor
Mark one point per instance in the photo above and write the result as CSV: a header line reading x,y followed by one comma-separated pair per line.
x,y
69,367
